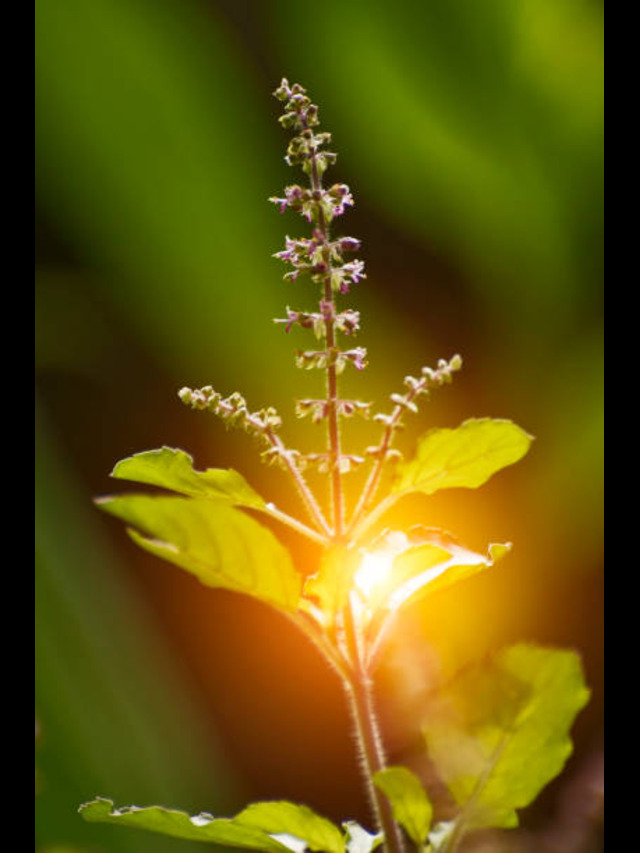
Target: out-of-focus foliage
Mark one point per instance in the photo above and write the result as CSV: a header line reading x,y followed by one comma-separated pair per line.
x,y
500,731
112,712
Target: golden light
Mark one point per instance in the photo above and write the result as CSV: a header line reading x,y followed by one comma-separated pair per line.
x,y
374,569
375,566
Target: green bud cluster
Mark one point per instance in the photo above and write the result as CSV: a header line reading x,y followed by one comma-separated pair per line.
x,y
232,409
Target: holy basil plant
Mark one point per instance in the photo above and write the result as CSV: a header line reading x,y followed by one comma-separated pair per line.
x,y
497,733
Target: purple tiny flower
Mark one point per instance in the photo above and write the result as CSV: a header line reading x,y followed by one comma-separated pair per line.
x,y
348,244
354,269
280,201
357,357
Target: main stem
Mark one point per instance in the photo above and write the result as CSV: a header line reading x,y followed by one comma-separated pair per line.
x,y
360,695
358,681
332,376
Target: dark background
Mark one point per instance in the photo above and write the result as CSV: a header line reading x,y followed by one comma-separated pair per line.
x,y
471,136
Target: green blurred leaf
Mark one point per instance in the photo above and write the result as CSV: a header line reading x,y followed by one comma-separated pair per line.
x,y
358,839
409,802
283,817
173,469
219,544
465,457
202,827
499,732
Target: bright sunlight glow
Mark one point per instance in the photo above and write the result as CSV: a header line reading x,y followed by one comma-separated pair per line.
x,y
374,569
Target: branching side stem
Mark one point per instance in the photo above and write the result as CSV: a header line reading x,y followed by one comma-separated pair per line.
x,y
305,492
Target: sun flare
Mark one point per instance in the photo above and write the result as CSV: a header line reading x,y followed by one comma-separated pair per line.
x,y
374,569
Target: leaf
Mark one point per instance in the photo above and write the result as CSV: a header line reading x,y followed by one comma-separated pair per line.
x,y
219,544
404,567
500,731
300,821
332,583
173,469
202,827
439,561
463,457
358,839
409,802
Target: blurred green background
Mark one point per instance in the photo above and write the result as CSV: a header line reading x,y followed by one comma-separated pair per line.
x,y
471,136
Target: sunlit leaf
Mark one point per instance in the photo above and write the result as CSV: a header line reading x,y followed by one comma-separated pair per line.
x,y
329,588
219,544
438,561
500,731
358,839
201,827
463,457
418,563
173,469
293,819
409,802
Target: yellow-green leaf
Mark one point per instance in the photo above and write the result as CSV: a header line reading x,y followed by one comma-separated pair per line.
x,y
178,824
329,588
219,544
499,732
433,565
409,802
285,818
173,469
463,457
410,565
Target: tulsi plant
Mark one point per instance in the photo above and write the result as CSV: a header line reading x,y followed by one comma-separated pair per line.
x,y
498,732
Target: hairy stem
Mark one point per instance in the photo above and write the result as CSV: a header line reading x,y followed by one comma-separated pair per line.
x,y
371,486
359,693
337,499
296,525
305,492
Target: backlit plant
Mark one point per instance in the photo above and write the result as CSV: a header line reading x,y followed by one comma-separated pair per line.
x,y
497,733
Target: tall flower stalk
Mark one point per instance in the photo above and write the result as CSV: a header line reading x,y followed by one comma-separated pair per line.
x,y
366,574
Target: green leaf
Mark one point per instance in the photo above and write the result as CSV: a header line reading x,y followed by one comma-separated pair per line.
x,y
420,562
173,469
499,732
284,818
202,827
429,567
463,457
409,802
358,839
219,544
